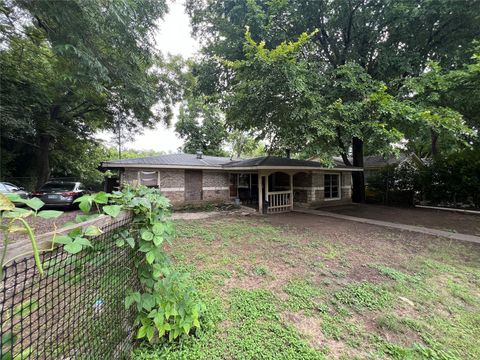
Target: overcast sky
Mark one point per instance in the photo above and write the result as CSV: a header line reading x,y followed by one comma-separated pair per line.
x,y
173,37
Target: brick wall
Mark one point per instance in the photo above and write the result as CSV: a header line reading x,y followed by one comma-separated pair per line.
x,y
172,179
216,186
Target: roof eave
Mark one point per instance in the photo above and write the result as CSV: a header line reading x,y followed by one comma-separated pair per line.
x,y
290,168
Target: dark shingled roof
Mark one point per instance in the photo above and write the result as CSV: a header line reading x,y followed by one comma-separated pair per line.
x,y
171,159
191,160
273,161
375,161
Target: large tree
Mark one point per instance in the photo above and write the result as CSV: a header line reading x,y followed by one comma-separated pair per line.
x,y
70,69
390,41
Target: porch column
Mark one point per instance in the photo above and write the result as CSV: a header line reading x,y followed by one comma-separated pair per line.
x,y
266,189
291,191
260,197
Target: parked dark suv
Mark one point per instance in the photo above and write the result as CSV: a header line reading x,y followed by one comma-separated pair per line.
x,y
60,193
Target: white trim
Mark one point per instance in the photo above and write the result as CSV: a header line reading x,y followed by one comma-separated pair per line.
x,y
211,188
347,187
172,189
339,197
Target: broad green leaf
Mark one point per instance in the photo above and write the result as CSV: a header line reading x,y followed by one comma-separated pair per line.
x,y
75,232
34,203
73,248
131,241
148,301
92,230
68,223
150,257
100,197
120,242
63,239
146,247
150,333
49,214
158,228
147,235
17,212
82,241
85,206
142,332
5,203
158,240
85,203
112,210
85,217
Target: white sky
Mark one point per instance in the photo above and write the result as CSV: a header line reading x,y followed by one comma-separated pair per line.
x,y
173,37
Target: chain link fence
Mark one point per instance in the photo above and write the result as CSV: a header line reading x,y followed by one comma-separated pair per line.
x,y
76,309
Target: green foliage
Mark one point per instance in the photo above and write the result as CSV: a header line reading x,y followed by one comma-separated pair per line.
x,y
450,180
302,296
202,128
173,310
394,274
166,304
364,295
348,80
62,82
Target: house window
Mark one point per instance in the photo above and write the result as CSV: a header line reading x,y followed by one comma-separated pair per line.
x,y
148,178
244,180
332,186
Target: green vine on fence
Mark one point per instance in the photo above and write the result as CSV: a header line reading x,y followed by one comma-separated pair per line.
x,y
167,306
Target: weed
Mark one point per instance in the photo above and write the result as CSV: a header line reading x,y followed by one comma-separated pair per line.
x,y
394,274
364,295
461,292
261,270
302,296
390,322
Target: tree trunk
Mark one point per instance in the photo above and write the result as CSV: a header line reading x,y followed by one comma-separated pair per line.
x,y
358,176
434,137
43,159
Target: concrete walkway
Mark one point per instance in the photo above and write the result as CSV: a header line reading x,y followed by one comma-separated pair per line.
x,y
418,229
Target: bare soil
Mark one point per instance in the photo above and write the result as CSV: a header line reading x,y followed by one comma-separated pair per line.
x,y
41,226
436,219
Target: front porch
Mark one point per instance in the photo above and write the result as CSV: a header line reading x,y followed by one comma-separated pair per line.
x,y
267,191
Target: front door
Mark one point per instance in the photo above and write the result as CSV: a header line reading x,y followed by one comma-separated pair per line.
x,y
193,185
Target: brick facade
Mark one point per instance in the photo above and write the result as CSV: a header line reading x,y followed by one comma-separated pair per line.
x,y
216,186
308,187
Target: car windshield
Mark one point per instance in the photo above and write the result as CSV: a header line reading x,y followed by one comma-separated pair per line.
x,y
58,187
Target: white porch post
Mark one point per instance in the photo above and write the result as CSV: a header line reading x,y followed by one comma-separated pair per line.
x,y
291,191
260,197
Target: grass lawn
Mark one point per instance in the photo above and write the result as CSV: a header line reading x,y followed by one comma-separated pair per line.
x,y
297,286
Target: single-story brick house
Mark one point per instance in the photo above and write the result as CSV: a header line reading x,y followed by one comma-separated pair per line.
x,y
270,183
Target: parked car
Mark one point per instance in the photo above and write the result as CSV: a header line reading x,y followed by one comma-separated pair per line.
x,y
9,188
60,193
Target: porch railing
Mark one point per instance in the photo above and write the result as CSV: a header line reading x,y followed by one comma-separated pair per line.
x,y
279,201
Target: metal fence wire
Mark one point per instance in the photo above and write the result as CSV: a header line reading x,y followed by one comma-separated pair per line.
x,y
76,309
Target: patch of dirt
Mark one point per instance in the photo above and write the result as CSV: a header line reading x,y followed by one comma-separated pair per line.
x,y
311,328
41,226
436,219
197,215
366,273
